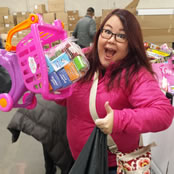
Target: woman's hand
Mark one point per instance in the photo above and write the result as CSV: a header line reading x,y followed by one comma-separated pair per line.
x,y
106,124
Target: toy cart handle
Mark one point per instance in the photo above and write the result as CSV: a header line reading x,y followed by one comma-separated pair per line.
x,y
33,18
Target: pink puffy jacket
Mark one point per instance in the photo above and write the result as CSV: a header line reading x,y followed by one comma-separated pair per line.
x,y
139,108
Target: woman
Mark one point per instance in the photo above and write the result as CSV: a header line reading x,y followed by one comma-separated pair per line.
x,y
129,101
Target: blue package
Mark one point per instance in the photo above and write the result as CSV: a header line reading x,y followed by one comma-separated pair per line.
x,y
49,65
60,61
55,81
64,77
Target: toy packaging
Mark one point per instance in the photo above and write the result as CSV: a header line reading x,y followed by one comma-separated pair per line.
x,y
156,53
162,58
66,64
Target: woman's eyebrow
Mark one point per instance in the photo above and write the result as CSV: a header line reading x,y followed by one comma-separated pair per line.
x,y
122,29
108,25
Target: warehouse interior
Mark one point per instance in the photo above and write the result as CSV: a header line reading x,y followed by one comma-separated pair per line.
x,y
156,19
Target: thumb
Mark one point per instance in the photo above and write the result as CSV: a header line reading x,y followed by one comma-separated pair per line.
x,y
108,107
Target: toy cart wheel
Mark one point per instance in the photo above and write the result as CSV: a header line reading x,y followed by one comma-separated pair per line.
x,y
6,102
34,101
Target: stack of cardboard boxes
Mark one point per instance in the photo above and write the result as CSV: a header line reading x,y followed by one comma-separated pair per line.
x,y
73,17
56,10
157,29
4,19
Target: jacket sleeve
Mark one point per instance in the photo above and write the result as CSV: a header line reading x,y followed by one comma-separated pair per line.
x,y
75,31
151,110
92,28
47,124
39,122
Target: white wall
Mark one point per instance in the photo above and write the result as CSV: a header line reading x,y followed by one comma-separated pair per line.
x,y
81,5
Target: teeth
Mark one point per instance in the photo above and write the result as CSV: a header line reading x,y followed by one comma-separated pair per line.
x,y
110,52
110,49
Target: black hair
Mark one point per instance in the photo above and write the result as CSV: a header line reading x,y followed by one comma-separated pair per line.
x,y
90,10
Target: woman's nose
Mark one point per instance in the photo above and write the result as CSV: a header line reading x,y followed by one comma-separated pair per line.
x,y
112,39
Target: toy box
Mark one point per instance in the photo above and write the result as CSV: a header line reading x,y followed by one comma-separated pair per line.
x,y
66,64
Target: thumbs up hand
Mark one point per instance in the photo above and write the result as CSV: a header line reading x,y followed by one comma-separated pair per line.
x,y
106,124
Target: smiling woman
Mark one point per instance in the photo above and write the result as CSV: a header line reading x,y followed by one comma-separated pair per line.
x,y
129,101
112,49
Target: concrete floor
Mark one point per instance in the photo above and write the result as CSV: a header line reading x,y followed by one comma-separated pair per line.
x,y
23,157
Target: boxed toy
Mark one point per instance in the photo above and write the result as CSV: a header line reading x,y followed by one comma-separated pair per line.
x,y
66,64
156,53
163,66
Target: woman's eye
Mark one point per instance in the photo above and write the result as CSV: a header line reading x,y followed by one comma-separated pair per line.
x,y
121,35
108,31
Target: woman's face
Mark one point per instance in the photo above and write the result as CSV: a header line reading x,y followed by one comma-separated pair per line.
x,y
115,48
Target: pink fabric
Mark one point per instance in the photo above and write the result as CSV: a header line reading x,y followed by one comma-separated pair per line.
x,y
139,108
86,49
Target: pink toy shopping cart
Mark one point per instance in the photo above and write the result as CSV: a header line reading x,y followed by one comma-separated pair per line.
x,y
31,57
11,98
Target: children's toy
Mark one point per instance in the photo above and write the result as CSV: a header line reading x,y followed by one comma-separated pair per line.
x,y
163,66
156,53
30,53
8,60
165,76
66,64
32,63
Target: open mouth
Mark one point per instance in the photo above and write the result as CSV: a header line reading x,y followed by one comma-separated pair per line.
x,y
110,52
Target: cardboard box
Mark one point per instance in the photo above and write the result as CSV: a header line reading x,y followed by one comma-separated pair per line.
x,y
40,8
156,21
20,19
105,12
71,27
49,17
158,35
17,13
9,19
25,13
132,6
62,16
73,19
2,29
1,19
157,28
73,13
98,22
8,27
56,5
4,11
1,24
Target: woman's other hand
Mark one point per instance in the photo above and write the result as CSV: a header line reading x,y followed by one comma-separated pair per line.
x,y
106,124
